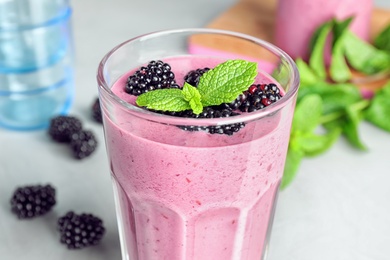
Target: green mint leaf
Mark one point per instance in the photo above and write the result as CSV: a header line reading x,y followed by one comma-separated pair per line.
x,y
307,75
314,144
378,113
348,120
351,128
164,100
192,95
382,40
293,161
340,27
339,70
365,57
307,114
318,42
335,97
226,81
338,97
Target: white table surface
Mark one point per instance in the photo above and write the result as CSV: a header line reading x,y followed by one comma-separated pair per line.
x,y
338,207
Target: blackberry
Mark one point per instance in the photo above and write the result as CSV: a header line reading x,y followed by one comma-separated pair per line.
x,y
193,76
32,201
211,112
83,144
259,96
79,231
96,111
62,127
156,75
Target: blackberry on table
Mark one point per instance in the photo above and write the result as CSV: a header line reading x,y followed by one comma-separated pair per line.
x,y
62,127
83,144
259,96
193,76
156,75
80,230
96,111
32,201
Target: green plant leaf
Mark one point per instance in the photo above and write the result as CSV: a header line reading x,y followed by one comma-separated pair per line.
x,y
335,97
318,43
348,122
226,81
339,70
351,128
293,161
164,100
378,113
364,57
382,40
307,114
339,97
307,75
314,144
192,95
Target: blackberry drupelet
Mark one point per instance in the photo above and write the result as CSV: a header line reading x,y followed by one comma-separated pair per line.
x,y
96,111
156,75
83,144
62,127
193,76
259,96
32,201
79,231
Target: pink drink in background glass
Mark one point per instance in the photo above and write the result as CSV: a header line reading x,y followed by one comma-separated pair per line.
x,y
296,21
190,194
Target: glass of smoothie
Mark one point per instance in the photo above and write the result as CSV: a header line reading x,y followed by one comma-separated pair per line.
x,y
296,21
192,186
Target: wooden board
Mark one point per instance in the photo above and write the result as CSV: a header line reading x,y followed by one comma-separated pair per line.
x,y
257,18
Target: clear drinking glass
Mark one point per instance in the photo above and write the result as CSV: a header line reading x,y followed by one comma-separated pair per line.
x,y
191,194
36,62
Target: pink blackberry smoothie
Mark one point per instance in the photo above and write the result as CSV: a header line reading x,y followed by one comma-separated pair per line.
x,y
297,20
190,194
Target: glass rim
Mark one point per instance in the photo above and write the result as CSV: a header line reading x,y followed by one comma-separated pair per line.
x,y
167,119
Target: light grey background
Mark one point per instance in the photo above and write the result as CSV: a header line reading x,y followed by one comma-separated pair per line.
x,y
338,207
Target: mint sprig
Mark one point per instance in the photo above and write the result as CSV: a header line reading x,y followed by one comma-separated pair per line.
x,y
220,85
192,95
338,106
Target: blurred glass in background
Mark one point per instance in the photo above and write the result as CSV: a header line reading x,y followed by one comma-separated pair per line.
x,y
36,55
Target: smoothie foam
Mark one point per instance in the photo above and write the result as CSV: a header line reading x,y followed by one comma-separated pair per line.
x,y
193,195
